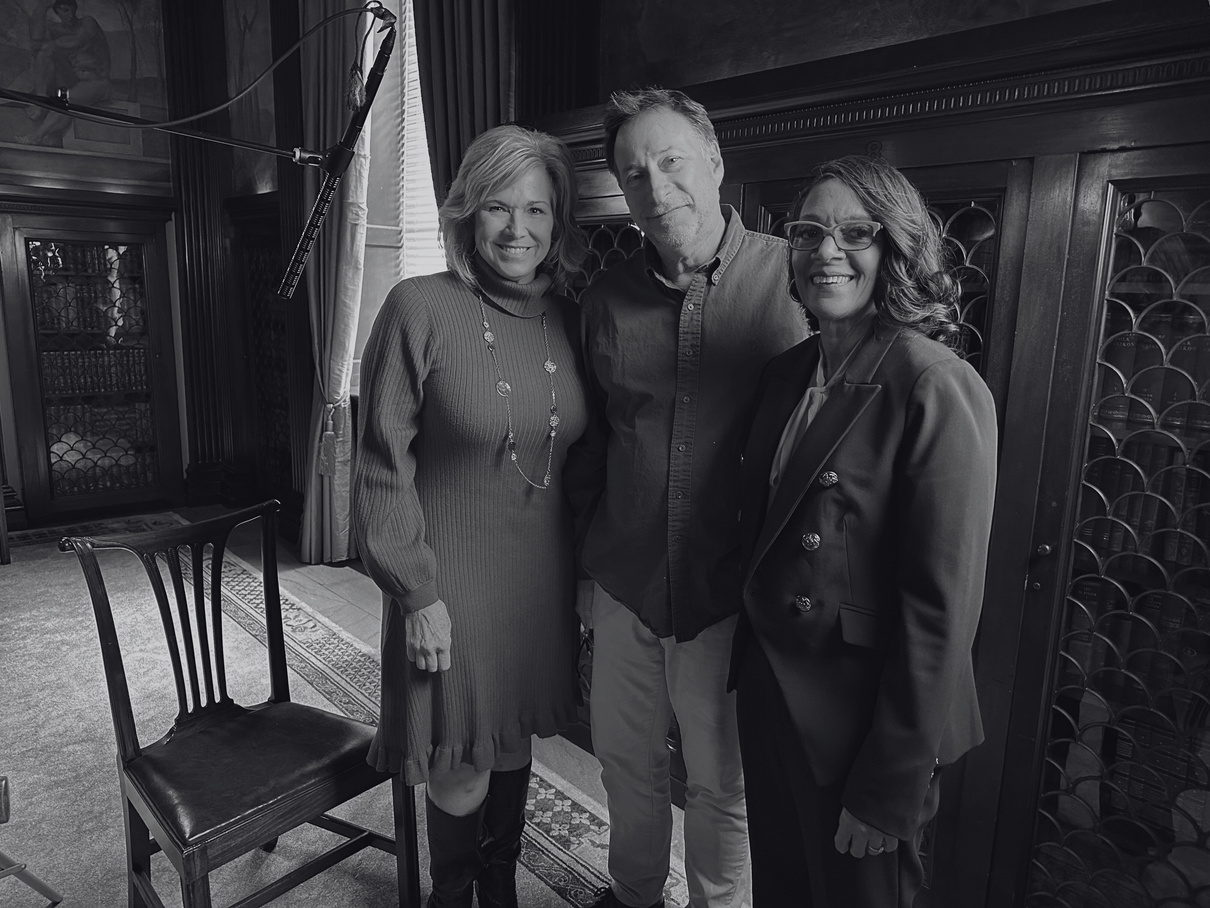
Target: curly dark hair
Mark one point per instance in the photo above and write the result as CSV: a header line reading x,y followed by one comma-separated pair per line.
x,y
915,288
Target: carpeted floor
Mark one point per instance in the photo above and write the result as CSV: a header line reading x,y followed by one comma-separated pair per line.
x,y
57,748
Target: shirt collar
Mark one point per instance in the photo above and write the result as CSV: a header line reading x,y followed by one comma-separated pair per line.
x,y
713,269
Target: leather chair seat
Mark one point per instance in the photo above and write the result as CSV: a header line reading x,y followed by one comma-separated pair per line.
x,y
225,772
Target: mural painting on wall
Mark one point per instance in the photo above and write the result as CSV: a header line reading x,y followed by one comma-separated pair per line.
x,y
107,54
672,43
250,54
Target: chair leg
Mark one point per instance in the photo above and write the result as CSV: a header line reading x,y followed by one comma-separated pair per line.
x,y
407,845
138,853
9,867
196,893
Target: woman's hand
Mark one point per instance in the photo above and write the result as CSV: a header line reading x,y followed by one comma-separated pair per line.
x,y
427,633
860,839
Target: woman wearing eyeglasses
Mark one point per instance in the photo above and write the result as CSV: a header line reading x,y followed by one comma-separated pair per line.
x,y
867,486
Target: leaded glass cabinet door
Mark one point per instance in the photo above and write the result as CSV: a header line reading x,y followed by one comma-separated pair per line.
x,y
1123,791
91,358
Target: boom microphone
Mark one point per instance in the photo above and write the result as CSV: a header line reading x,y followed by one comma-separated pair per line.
x,y
336,161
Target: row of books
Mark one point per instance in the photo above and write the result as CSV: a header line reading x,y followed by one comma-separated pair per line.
x,y
98,371
75,424
49,259
1135,649
1147,499
85,477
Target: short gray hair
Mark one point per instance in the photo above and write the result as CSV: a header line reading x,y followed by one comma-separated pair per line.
x,y
624,106
497,158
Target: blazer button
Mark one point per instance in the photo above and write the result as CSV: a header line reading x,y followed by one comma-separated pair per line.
x,y
810,542
802,603
828,479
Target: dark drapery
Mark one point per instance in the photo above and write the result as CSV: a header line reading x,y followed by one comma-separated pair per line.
x,y
464,49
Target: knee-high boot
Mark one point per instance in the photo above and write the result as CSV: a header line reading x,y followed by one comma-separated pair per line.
x,y
454,860
500,842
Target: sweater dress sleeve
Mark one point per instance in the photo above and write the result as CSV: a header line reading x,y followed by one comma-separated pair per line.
x,y
390,525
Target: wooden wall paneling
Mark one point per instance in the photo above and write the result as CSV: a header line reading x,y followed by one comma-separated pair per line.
x,y
19,329
254,249
10,501
1123,103
293,208
1101,31
556,56
195,57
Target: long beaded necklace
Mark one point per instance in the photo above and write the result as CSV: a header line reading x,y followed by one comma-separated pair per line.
x,y
505,390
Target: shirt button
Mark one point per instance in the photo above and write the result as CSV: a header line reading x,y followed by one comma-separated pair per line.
x,y
680,494
810,542
685,399
689,352
689,306
828,478
802,603
680,447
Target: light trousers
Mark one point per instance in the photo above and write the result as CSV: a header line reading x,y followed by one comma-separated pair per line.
x,y
638,681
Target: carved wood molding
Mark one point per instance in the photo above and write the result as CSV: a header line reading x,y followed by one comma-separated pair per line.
x,y
153,210
753,126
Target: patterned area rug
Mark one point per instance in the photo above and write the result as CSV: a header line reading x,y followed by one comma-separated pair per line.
x,y
134,524
345,671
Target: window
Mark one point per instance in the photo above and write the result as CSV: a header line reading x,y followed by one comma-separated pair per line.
x,y
402,236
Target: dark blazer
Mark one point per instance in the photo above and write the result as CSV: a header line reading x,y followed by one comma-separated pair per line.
x,y
864,572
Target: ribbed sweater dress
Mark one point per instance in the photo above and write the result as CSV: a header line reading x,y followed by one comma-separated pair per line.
x,y
442,513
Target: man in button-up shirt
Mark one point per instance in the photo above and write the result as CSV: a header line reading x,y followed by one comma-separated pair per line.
x,y
674,341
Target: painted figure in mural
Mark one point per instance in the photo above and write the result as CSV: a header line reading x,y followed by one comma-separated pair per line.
x,y
470,397
70,52
867,487
675,338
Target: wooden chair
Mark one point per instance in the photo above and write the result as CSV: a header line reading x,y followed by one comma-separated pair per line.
x,y
227,779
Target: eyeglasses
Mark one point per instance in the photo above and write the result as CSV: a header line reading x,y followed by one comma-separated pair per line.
x,y
850,236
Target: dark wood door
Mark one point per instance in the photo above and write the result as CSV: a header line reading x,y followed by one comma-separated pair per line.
x,y
1104,765
89,324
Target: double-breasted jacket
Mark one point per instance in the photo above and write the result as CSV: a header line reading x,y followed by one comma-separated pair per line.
x,y
864,569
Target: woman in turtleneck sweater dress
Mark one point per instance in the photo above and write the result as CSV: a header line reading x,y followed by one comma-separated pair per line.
x,y
471,545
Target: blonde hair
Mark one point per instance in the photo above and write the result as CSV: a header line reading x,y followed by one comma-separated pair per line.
x,y
497,158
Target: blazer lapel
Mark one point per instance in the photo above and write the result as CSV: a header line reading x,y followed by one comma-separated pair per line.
x,y
840,412
786,384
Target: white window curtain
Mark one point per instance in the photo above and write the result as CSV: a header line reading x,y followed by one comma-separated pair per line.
x,y
334,281
422,253
388,206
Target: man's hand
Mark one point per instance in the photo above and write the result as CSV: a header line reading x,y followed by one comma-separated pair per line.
x,y
584,594
427,633
860,839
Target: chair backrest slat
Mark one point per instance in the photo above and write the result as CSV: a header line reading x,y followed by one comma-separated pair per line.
x,y
151,564
216,617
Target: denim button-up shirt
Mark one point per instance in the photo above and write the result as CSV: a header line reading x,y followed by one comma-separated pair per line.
x,y
671,375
